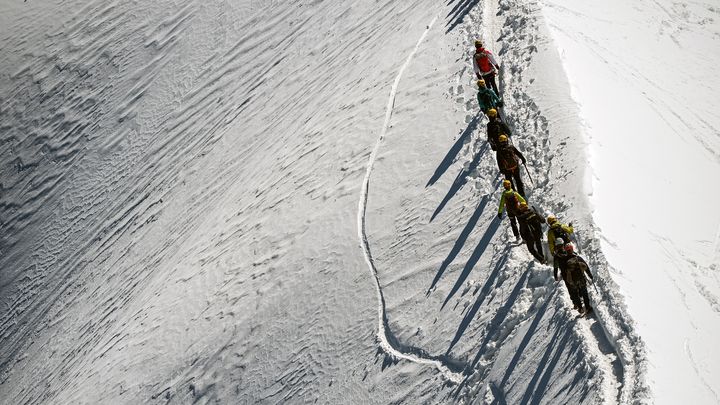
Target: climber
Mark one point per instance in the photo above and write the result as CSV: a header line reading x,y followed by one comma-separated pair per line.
x,y
510,200
495,128
485,65
573,269
487,99
531,230
508,160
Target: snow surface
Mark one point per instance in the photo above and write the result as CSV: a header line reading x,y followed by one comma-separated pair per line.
x,y
285,202
644,75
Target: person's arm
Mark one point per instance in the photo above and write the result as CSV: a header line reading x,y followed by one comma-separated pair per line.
x,y
520,155
502,204
587,268
492,60
476,68
519,197
551,241
567,228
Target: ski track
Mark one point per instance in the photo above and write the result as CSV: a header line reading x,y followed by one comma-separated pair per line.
x,y
598,342
384,335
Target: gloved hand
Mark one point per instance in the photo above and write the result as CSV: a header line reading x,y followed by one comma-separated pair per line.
x,y
499,215
500,103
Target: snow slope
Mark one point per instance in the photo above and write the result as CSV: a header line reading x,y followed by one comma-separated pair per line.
x,y
643,75
246,202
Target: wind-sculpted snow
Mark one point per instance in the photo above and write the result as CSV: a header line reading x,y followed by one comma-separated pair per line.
x,y
179,209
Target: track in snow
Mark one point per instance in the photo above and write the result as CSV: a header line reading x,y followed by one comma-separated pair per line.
x,y
599,344
388,341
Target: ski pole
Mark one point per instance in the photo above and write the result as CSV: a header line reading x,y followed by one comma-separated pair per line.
x,y
592,281
529,176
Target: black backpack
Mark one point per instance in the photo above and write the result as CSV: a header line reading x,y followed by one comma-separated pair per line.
x,y
506,158
559,232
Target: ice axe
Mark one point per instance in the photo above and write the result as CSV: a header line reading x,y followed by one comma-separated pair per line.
x,y
529,176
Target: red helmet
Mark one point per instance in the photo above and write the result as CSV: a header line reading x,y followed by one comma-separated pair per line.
x,y
568,248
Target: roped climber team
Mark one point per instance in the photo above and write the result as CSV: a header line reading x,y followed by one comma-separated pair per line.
x,y
513,200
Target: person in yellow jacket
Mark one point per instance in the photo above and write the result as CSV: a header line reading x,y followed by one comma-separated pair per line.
x,y
557,230
510,200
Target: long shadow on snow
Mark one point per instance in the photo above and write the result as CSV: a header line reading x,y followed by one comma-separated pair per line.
x,y
474,258
454,150
528,335
534,395
457,247
500,316
458,13
460,180
484,292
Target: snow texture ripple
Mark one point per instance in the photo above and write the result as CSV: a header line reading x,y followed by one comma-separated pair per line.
x,y
388,342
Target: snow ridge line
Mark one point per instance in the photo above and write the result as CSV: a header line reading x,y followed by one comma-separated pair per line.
x,y
388,342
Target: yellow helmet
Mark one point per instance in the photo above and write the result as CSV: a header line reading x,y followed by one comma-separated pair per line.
x,y
551,219
481,83
502,138
478,43
507,184
492,113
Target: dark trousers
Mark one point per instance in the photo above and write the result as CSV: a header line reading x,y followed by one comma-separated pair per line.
x,y
574,294
535,248
491,83
578,295
514,177
513,225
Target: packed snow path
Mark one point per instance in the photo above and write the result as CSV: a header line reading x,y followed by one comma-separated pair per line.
x,y
607,351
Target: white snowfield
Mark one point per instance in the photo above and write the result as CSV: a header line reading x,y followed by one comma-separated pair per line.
x,y
294,202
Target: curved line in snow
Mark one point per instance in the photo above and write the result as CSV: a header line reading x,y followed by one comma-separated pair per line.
x,y
384,335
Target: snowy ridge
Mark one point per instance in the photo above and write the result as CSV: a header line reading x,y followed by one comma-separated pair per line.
x,y
611,342
180,218
388,342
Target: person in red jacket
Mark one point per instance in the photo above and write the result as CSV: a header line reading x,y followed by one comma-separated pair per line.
x,y
485,66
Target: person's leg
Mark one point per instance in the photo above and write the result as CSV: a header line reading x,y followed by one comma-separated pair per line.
x,y
574,296
530,246
539,250
518,181
492,83
509,177
513,225
585,297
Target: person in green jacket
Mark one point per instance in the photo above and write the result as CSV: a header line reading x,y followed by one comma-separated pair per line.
x,y
510,200
487,98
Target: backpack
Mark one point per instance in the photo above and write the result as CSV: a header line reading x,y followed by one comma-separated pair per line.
x,y
487,100
506,158
560,233
576,271
483,61
511,202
